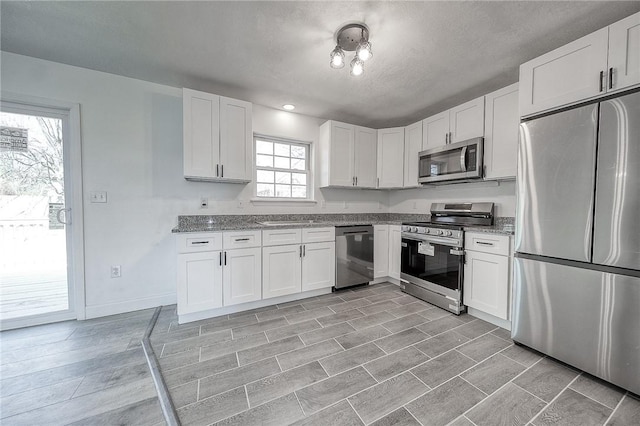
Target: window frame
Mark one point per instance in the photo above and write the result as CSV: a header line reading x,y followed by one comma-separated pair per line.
x,y
308,170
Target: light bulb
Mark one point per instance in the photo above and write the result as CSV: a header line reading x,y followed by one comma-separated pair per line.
x,y
363,51
337,58
289,107
357,66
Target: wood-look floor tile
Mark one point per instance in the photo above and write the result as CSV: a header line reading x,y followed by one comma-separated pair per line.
x,y
309,315
281,411
180,359
441,343
329,391
384,398
232,346
278,313
339,317
445,403
247,330
511,405
404,323
292,330
442,368
483,347
598,390
339,414
36,398
395,363
573,409
627,413
146,412
378,307
212,409
308,354
326,333
351,358
184,394
401,340
268,350
546,379
196,342
363,336
182,375
440,325
476,328
347,306
371,320
227,324
400,417
522,354
284,383
492,373
236,377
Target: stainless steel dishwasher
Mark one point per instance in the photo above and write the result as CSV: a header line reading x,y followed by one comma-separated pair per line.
x,y
354,255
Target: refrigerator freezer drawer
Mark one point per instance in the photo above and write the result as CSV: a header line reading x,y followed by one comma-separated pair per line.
x,y
586,318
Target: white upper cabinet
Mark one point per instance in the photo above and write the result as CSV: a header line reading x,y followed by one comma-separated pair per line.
x,y
460,123
391,157
501,133
601,62
466,121
365,157
435,131
217,138
412,146
624,53
347,155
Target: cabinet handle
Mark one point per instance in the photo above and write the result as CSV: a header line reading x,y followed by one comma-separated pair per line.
x,y
446,138
450,137
356,180
225,258
217,170
482,243
378,184
484,170
611,78
242,239
300,254
601,81
193,243
220,258
304,251
221,170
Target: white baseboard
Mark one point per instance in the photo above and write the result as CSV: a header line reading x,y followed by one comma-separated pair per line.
x,y
97,311
489,318
211,313
385,280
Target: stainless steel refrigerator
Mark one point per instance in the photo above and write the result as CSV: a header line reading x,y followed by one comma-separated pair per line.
x,y
577,266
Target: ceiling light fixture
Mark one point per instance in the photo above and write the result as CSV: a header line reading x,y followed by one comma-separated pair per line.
x,y
350,38
289,107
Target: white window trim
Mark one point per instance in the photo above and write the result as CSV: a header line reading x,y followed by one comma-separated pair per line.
x,y
310,176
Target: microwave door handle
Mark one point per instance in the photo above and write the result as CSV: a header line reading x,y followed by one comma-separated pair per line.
x,y
463,158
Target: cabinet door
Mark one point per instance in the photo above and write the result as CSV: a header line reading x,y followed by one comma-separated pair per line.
x,y
486,283
624,53
380,251
281,271
566,75
236,139
501,133
242,276
395,245
365,157
341,151
391,157
199,282
435,130
466,121
318,266
201,133
412,146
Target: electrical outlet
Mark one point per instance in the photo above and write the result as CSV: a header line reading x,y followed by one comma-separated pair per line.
x,y
204,203
98,197
115,271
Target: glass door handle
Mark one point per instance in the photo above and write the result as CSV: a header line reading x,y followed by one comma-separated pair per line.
x,y
67,216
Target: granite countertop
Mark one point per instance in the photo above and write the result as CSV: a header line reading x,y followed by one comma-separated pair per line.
x,y
213,223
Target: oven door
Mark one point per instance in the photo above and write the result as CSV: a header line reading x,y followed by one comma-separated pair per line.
x,y
432,265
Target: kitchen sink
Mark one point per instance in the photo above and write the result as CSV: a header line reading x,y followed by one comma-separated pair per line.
x,y
286,222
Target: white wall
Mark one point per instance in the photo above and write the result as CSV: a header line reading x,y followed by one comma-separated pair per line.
x,y
419,200
132,148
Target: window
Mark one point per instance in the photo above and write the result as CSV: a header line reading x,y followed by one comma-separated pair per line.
x,y
282,168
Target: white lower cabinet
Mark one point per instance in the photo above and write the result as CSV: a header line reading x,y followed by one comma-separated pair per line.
x,y
380,251
242,276
318,266
281,271
395,245
486,274
199,282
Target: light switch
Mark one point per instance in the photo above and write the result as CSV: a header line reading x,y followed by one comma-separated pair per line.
x,y
98,197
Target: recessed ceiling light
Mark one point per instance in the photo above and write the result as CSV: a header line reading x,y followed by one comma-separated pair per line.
x,y
289,107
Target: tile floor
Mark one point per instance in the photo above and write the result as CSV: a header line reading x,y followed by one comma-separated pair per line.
x,y
90,372
371,356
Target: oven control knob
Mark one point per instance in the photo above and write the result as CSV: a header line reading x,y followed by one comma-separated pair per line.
x,y
414,229
440,232
427,231
448,233
406,228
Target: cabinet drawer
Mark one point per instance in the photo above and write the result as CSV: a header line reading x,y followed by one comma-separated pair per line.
x,y
192,243
281,237
241,239
316,235
487,243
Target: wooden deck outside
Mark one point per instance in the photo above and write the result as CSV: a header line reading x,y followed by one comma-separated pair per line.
x,y
31,293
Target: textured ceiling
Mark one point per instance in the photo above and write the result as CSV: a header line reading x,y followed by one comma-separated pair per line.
x,y
428,56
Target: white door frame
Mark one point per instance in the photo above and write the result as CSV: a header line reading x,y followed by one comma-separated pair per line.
x,y
73,186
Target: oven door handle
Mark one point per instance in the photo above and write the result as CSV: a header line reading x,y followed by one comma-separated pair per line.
x,y
456,252
431,240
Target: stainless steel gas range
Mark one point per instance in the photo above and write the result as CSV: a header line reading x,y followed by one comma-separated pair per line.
x,y
432,260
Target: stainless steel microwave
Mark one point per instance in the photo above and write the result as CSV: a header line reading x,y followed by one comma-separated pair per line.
x,y
456,161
